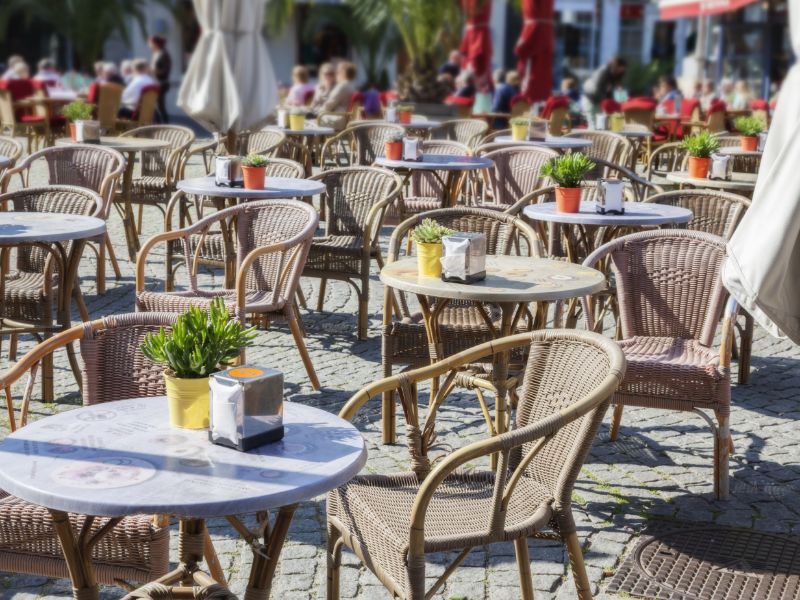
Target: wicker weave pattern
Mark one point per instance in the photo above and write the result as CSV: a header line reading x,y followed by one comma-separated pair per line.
x,y
265,141
742,163
11,149
359,144
283,167
606,145
465,131
516,172
717,213
665,159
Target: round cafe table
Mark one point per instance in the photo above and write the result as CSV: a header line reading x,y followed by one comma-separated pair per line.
x,y
4,162
129,147
512,282
556,142
122,458
453,166
51,232
420,128
739,182
310,137
637,137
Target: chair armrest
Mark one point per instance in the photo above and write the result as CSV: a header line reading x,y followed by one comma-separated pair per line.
x,y
200,149
728,321
6,180
145,250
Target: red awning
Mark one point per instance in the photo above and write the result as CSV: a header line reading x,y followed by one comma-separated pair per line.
x,y
476,45
535,49
676,9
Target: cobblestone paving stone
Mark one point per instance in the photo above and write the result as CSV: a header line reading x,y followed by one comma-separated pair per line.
x,y
659,468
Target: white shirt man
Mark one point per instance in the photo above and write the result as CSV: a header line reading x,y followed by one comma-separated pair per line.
x,y
133,91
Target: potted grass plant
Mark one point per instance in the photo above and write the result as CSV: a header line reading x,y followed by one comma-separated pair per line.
x,y
749,128
254,171
76,112
393,147
700,147
404,113
519,128
201,343
428,237
568,172
297,119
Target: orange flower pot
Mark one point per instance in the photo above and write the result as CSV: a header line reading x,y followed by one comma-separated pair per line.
x,y
698,167
404,116
72,135
568,200
749,143
393,150
254,177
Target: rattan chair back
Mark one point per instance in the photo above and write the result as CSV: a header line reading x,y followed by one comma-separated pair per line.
x,y
168,161
742,163
108,103
265,141
358,145
490,138
7,117
428,184
283,167
464,131
606,145
665,159
714,212
516,171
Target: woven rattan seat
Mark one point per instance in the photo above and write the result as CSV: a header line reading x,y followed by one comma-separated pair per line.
x,y
153,183
260,300
25,297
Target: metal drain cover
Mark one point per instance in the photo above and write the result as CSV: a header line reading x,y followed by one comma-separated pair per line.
x,y
696,562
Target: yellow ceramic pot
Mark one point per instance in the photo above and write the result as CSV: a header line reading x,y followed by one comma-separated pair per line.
x,y
297,122
519,133
617,123
429,259
188,401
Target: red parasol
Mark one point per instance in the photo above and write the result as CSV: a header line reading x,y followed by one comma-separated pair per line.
x,y
476,45
535,49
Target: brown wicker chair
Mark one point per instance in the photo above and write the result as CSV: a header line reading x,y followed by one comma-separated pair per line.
x,y
393,521
742,163
269,240
491,137
11,149
136,549
358,145
670,297
357,199
35,129
265,141
84,165
465,131
108,103
516,171
283,167
640,187
665,159
606,145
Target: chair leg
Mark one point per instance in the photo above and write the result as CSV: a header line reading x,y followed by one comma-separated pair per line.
x,y
113,257
12,348
301,298
575,552
722,446
100,274
321,300
77,295
139,224
334,563
745,350
301,347
363,312
616,420
524,566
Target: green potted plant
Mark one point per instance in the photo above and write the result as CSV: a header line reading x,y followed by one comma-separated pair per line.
x,y
75,111
568,172
519,128
254,171
297,119
749,128
700,147
393,147
404,113
201,343
428,236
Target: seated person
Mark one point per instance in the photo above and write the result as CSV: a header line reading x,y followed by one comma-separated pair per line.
x,y
301,87
501,103
465,85
342,92
133,91
669,97
46,72
325,85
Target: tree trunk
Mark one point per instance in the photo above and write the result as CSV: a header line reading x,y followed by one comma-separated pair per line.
x,y
418,83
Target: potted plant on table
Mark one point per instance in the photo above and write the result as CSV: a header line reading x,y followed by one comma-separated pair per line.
x,y
393,147
254,171
297,119
428,236
75,112
568,171
749,128
519,128
700,147
201,343
404,112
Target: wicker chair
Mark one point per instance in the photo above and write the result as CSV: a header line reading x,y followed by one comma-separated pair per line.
x,y
670,297
393,521
136,549
272,239
84,165
742,163
283,167
265,141
357,199
109,101
34,128
606,145
464,131
516,171
665,159
640,187
11,149
491,137
359,145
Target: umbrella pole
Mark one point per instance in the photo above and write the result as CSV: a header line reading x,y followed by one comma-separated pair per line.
x,y
230,142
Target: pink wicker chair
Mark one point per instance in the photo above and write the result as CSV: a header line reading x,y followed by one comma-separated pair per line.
x,y
136,549
393,521
670,297
270,240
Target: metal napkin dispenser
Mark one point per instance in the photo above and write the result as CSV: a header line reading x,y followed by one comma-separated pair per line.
x,y
762,141
538,129
610,197
721,167
87,132
412,148
228,171
464,257
245,407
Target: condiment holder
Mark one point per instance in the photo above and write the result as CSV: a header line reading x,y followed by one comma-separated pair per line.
x,y
537,130
464,257
282,116
228,171
721,167
412,148
762,141
601,122
87,132
610,197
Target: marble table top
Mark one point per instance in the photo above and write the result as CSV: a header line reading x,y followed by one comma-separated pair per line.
x,y
122,458
636,213
123,144
438,162
745,182
309,130
4,162
508,279
551,141
276,187
26,227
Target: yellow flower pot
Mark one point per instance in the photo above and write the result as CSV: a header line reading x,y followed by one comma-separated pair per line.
x,y
297,122
429,261
617,123
188,401
519,133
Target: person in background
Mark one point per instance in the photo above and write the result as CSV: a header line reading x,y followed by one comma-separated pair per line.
x,y
602,85
447,79
570,89
133,91
465,85
742,95
342,92
46,72
453,65
160,66
668,95
325,85
501,103
111,74
301,87
707,94
498,77
22,70
126,71
9,73
98,70
371,102
726,91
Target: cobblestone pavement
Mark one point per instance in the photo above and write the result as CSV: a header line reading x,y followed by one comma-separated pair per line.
x,y
659,468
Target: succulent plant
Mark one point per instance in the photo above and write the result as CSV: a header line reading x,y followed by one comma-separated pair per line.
x,y
77,111
201,342
749,126
700,145
569,170
430,232
520,121
255,160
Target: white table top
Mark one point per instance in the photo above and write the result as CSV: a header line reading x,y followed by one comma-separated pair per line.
x,y
276,187
636,213
438,162
734,151
309,130
26,227
123,144
123,458
551,141
4,162
740,181
426,124
634,133
508,279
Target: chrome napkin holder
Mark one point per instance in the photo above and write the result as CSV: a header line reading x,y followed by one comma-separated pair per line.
x,y
245,407
87,132
412,148
228,171
721,167
464,257
538,129
610,197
